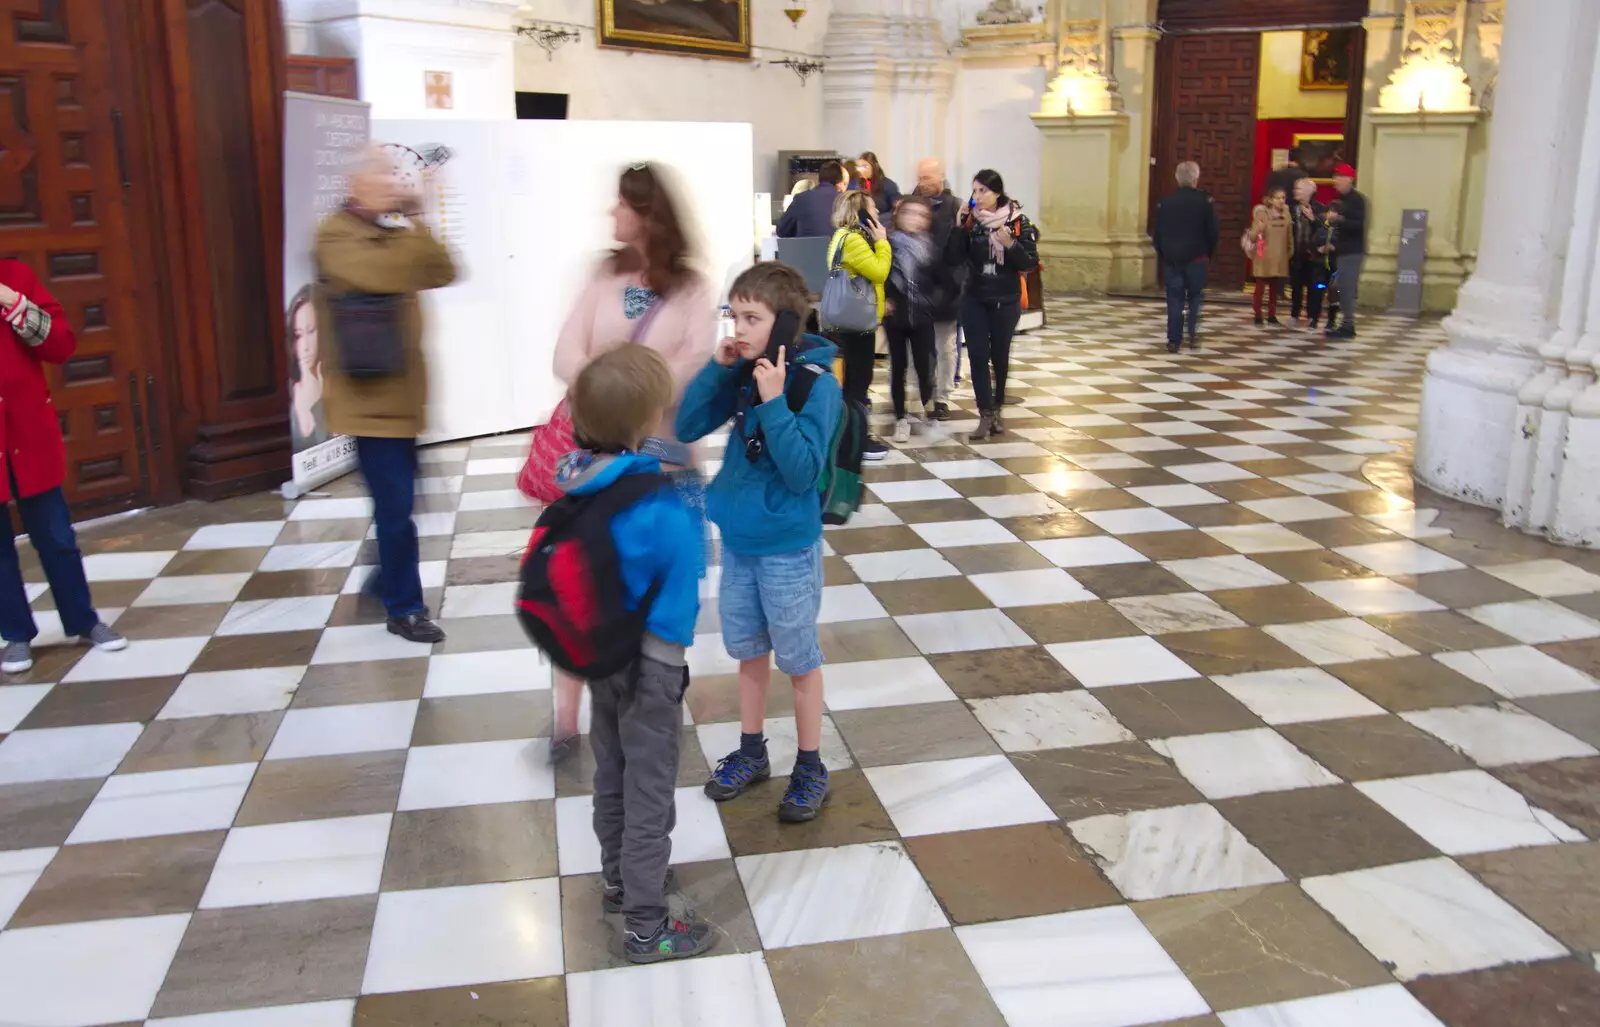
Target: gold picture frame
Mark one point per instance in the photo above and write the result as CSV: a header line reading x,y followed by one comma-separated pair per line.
x,y
691,28
1319,155
1325,58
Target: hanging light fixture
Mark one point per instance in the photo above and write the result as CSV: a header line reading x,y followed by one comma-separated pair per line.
x,y
795,9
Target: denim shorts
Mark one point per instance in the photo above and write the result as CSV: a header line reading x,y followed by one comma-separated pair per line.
x,y
770,604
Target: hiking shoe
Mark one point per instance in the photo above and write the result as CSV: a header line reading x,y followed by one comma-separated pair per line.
x,y
997,424
104,639
902,432
17,657
613,898
941,411
1172,347
984,429
1194,343
416,627
1346,331
874,449
563,749
1260,320
735,773
807,794
674,939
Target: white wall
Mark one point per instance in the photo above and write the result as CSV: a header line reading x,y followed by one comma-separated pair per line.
x,y
991,128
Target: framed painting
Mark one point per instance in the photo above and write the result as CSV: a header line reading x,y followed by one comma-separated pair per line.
x,y
1319,155
694,28
1325,58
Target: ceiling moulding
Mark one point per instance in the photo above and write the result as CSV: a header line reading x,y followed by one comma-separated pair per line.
x,y
496,15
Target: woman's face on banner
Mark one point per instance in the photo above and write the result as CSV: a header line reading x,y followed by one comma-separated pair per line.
x,y
305,336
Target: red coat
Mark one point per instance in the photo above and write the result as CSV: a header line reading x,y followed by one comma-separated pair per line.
x,y
30,434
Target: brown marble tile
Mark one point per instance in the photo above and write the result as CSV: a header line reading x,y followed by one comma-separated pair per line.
x,y
1254,946
1410,683
899,980
1369,501
1096,779
836,570
1568,788
209,561
512,519
133,877
186,621
929,511
42,813
875,540
202,742
593,940
269,955
852,641
1010,872
50,663
891,735
1344,531
1033,464
1008,556
854,815
1072,622
482,634
1216,515
483,718
1368,748
1048,526
715,699
288,584
929,595
1275,604
1251,488
1099,499
997,486
575,776
1312,831
1553,884
1559,993
483,570
1176,545
1123,580
1588,605
343,529
343,684
1463,588
102,702
247,652
442,848
350,610
986,673
535,1003
894,472
1438,631
1311,565
1232,651
320,787
1169,708
1583,654
1577,714
105,593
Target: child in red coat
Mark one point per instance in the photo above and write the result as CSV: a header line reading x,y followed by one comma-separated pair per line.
x,y
35,329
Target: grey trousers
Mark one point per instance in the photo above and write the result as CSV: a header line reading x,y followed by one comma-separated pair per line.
x,y
637,715
1349,268
944,348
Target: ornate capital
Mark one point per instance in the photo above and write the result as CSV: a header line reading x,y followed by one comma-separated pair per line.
x,y
1430,76
1491,30
1083,84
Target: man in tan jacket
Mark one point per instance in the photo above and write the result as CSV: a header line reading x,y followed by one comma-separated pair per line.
x,y
372,247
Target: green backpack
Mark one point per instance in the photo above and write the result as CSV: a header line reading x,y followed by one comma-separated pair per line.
x,y
839,485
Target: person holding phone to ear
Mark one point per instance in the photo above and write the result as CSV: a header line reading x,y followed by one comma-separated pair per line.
x,y
866,253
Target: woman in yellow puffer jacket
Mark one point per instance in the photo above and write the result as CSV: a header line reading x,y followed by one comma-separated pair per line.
x,y
866,255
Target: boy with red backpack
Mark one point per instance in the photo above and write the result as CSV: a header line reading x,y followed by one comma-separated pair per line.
x,y
611,592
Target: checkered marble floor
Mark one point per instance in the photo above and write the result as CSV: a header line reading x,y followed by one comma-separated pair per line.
x,y
1175,705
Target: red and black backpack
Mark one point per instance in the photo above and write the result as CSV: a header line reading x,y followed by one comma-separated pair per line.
x,y
572,602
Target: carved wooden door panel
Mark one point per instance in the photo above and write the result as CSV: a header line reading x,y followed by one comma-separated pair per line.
x,y
62,211
1207,98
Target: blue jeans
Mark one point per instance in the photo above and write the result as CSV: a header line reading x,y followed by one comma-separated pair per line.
x,y
770,604
49,527
1185,285
390,467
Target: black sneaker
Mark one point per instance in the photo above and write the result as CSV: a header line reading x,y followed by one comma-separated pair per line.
x,y
736,773
1172,347
416,627
941,411
806,795
1194,343
874,449
1274,321
1260,320
613,898
674,939
1346,331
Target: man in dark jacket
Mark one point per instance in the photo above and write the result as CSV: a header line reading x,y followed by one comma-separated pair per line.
x,y
932,187
1185,239
1348,217
811,213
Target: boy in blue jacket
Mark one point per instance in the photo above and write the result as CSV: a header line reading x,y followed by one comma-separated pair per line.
x,y
765,502
616,402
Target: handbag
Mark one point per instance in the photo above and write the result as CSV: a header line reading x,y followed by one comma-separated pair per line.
x,y
551,441
849,302
367,327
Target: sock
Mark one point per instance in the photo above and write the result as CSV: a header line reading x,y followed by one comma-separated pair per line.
x,y
753,746
809,758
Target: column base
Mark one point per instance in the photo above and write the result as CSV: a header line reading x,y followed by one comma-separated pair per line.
x,y
1468,422
1097,265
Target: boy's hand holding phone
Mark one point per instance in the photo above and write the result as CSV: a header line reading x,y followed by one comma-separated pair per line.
x,y
770,377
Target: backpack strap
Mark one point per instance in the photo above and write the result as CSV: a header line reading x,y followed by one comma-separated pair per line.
x,y
606,503
798,387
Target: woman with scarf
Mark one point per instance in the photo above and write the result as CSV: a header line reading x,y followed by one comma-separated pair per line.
x,y
997,245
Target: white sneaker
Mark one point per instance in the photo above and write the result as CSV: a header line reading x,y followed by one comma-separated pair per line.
x,y
902,432
919,425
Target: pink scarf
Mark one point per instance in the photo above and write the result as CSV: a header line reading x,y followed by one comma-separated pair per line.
x,y
997,218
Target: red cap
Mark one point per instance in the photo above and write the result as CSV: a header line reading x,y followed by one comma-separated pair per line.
x,y
1345,171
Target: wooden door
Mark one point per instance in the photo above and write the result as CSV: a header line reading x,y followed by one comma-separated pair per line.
x,y
1206,113
63,212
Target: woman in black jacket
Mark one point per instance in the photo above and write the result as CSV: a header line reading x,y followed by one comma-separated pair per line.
x,y
997,245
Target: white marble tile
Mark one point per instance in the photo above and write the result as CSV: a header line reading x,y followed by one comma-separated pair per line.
x,y
16,702
1093,968
845,603
1206,473
104,971
294,862
1323,483
1049,720
1107,461
335,730
711,991
956,795
1214,573
1338,641
1169,429
867,684
144,658
1008,450
1401,557
442,454
1430,917
1467,811
450,485
1369,446
476,934
360,643
1135,521
1143,444
500,670
1260,538
1363,597
495,465
265,616
65,753
1063,481
697,837
1390,1005
314,509
1535,621
1493,737
1031,588
912,491
20,870
307,556
428,523
1033,504
1297,694
1104,662
708,657
950,470
1180,611
431,573
902,565
962,631
1093,551
472,544
479,600
336,1013
477,773
869,515
243,535
811,896
952,534
125,566
1240,454
1518,671
495,499
1178,850
226,692
1231,763
1176,495
164,802
1410,523
783,741
1547,578
182,590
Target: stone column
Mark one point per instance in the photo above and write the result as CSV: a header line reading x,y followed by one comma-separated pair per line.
x,y
1469,395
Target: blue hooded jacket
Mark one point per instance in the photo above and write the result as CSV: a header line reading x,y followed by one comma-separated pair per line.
x,y
769,505
657,539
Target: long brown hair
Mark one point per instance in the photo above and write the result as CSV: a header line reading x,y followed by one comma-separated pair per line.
x,y
666,261
878,177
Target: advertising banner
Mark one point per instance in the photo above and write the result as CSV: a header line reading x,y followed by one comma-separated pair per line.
x,y
322,135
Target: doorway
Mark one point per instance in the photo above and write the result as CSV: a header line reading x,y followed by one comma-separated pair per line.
x,y
1237,88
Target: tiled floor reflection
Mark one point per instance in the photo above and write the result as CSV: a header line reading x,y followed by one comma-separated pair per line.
x,y
1174,705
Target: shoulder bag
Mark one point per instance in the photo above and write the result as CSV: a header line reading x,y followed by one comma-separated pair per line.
x,y
849,302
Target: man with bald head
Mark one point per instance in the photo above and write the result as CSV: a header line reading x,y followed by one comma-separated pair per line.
x,y
372,259
946,289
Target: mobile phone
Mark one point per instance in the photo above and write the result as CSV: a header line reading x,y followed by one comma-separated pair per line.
x,y
784,330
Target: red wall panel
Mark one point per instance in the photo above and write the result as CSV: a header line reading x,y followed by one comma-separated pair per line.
x,y
1278,134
